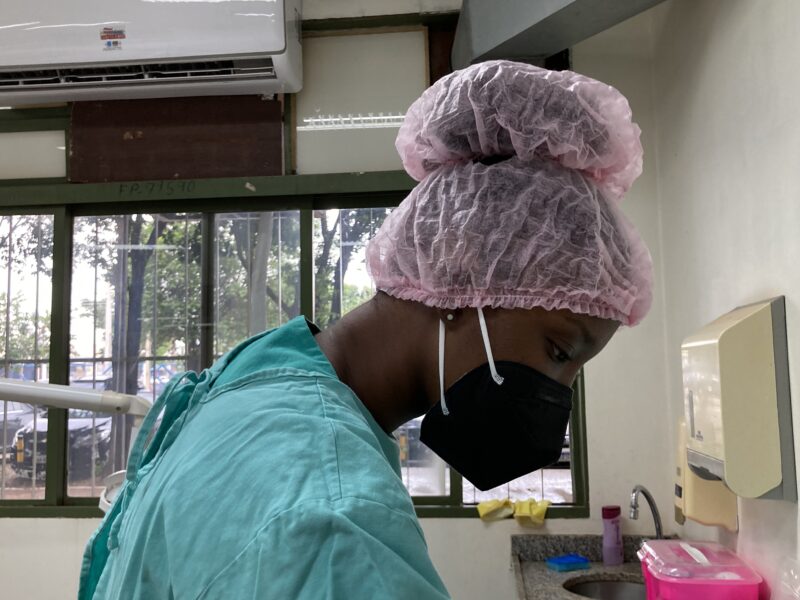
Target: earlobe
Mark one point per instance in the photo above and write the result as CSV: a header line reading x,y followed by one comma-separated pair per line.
x,y
448,315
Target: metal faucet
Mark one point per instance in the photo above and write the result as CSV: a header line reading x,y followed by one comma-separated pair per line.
x,y
640,489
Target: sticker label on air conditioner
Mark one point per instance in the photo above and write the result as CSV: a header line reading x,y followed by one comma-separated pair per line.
x,y
112,37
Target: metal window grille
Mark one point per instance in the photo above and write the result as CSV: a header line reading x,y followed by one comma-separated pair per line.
x,y
25,252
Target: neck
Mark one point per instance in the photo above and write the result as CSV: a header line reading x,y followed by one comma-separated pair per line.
x,y
381,350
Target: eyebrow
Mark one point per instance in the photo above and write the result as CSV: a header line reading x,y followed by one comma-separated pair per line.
x,y
588,338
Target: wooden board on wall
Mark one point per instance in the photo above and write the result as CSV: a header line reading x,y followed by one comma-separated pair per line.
x,y
440,45
175,138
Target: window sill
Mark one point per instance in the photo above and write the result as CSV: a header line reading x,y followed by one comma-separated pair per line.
x,y
43,511
563,511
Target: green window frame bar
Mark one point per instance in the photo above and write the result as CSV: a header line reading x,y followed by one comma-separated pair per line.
x,y
306,193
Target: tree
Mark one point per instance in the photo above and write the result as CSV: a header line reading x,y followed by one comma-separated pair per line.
x,y
26,242
266,247
354,227
25,335
26,253
257,284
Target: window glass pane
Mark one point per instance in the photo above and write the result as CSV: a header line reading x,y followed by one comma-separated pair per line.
x,y
135,323
26,247
424,473
340,269
256,274
553,483
31,154
356,91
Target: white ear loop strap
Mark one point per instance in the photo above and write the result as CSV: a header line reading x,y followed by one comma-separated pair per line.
x,y
495,375
441,367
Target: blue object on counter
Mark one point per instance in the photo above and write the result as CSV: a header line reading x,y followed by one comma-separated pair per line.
x,y
567,562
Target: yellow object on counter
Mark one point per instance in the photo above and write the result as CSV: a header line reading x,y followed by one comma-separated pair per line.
x,y
495,510
530,513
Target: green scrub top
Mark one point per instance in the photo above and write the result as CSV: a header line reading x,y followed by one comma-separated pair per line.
x,y
267,478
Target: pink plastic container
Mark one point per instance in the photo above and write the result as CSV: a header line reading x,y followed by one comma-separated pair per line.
x,y
681,570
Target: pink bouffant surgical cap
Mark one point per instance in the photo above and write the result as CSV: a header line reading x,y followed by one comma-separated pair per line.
x,y
521,171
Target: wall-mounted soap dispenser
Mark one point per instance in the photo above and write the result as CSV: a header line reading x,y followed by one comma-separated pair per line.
x,y
737,401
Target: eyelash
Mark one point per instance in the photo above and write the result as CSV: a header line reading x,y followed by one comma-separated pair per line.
x,y
559,355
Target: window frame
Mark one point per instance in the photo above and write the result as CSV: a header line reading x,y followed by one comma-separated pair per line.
x,y
306,193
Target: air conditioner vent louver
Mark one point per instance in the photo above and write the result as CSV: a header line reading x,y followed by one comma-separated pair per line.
x,y
221,70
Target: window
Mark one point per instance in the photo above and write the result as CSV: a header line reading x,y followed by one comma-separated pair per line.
x,y
26,248
134,325
341,281
256,274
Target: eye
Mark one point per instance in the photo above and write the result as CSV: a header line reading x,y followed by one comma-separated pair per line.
x,y
558,354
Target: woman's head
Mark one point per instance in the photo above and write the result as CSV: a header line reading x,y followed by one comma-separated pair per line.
x,y
513,245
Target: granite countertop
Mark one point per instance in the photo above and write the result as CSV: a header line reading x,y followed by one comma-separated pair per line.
x,y
536,582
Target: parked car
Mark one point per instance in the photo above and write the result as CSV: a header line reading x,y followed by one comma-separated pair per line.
x,y
161,375
413,452
13,415
82,374
83,452
101,378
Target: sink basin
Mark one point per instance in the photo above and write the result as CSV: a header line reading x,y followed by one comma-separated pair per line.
x,y
608,590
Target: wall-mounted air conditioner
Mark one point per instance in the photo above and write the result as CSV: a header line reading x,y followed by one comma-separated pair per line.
x,y
95,49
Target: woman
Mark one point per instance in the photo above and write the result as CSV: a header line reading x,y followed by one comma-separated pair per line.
x,y
274,473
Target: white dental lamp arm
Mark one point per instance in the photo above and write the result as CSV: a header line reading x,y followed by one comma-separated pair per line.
x,y
64,396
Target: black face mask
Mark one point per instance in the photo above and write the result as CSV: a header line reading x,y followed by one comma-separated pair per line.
x,y
496,433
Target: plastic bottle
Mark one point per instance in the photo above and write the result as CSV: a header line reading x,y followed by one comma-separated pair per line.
x,y
612,536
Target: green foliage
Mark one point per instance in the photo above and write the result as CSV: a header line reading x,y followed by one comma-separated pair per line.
x,y
26,251
153,264
29,241
257,275
26,336
171,287
351,228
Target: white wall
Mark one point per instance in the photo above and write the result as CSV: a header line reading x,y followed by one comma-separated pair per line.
x,y
726,89
40,559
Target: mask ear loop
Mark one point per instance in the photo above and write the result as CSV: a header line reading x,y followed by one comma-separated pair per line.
x,y
445,411
485,333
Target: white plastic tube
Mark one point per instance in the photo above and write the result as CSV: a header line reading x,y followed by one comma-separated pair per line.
x,y
64,396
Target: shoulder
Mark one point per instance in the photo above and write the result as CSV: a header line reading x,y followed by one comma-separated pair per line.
x,y
284,436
